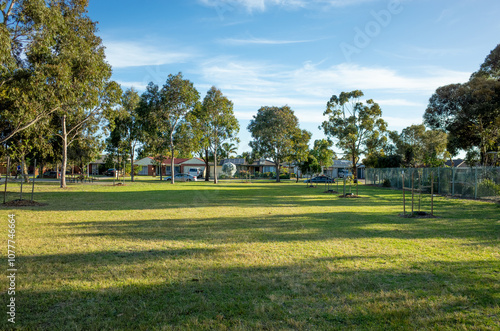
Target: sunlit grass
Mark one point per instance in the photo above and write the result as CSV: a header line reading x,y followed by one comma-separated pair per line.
x,y
150,255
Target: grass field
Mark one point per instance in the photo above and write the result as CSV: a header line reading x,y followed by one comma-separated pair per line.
x,y
151,255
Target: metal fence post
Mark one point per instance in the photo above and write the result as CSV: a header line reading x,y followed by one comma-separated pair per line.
x,y
439,180
475,183
452,181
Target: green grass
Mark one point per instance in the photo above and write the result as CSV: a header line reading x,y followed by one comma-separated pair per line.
x,y
151,255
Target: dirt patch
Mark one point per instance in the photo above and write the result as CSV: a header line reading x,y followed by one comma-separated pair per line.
x,y
116,184
23,203
417,214
350,196
331,192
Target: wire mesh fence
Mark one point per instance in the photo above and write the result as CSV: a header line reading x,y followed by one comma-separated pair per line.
x,y
476,183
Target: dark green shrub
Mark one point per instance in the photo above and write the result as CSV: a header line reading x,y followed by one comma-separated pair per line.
x,y
488,187
386,183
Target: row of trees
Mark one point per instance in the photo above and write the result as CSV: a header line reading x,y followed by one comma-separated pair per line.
x,y
55,87
57,100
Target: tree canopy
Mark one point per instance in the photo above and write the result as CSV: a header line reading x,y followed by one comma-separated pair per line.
x,y
167,129
355,125
276,134
470,112
216,124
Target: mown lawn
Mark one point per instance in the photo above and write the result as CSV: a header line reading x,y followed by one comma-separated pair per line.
x,y
150,255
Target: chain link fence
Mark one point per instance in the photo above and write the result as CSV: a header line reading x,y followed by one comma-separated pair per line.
x,y
476,183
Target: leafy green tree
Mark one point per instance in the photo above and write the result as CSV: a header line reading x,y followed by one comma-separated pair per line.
x,y
216,125
87,118
127,133
354,124
228,149
166,112
301,150
84,150
275,131
29,82
420,147
470,112
53,65
310,165
323,153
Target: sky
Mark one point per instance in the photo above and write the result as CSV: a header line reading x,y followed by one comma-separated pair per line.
x,y
299,53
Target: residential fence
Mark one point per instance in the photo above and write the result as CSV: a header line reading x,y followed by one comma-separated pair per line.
x,y
476,183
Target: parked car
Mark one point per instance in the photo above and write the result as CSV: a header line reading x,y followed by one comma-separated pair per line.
x,y
320,179
182,178
110,172
49,174
196,172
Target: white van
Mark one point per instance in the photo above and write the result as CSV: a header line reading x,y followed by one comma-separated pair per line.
x,y
196,172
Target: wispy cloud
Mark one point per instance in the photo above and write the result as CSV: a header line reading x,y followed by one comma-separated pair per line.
x,y
352,76
139,86
122,54
251,5
307,88
436,52
342,3
399,102
259,41
262,5
402,122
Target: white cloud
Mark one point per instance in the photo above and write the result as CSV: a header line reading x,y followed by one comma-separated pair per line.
x,y
251,5
262,5
351,76
400,123
228,74
139,86
306,89
399,102
342,3
258,41
122,54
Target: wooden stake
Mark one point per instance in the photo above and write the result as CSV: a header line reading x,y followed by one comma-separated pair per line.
x,y
6,179
33,186
404,199
22,175
412,190
420,190
432,194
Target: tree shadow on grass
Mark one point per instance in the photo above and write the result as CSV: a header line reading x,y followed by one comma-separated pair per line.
x,y
312,294
285,227
228,195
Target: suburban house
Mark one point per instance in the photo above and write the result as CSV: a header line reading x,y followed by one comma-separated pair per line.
x,y
150,167
93,167
342,167
261,165
457,163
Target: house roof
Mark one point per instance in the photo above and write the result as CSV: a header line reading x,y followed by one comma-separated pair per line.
x,y
456,163
149,160
102,159
344,164
243,162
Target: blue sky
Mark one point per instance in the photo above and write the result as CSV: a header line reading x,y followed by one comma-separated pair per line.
x,y
300,53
